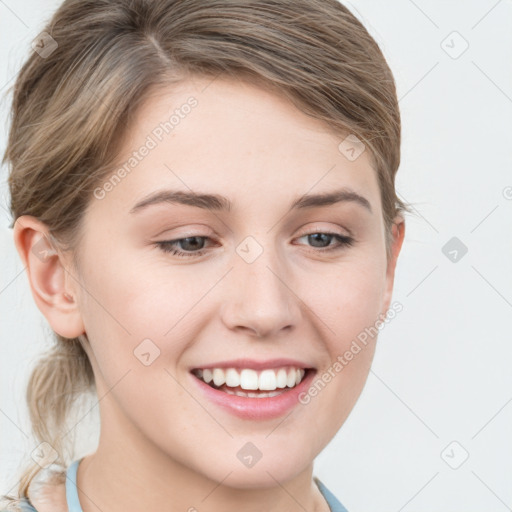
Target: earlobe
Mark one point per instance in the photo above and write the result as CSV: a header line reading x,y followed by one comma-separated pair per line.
x,y
47,272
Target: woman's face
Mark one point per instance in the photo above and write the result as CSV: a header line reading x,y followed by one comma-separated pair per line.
x,y
252,291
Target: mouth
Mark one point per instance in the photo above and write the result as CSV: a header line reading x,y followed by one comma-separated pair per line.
x,y
251,383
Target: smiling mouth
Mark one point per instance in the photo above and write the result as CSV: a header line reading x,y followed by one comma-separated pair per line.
x,y
250,383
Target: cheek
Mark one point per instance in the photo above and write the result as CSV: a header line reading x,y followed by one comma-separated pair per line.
x,y
137,300
347,302
126,317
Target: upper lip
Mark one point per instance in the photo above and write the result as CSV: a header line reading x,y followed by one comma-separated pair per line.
x,y
255,365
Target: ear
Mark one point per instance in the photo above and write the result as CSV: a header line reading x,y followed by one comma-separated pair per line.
x,y
398,234
51,280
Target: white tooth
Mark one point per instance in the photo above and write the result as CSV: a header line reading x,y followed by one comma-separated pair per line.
x,y
281,378
249,379
207,375
297,376
251,394
219,377
290,382
236,393
232,378
302,373
242,393
267,380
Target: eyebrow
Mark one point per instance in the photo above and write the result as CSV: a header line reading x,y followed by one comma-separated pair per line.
x,y
218,202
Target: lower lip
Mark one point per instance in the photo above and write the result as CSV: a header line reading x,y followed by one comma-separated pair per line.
x,y
256,408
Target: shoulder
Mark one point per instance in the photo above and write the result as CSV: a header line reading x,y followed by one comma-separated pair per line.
x,y
332,501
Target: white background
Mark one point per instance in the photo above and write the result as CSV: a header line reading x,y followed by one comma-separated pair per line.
x,y
442,370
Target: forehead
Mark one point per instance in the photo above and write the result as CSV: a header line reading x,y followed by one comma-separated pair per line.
x,y
240,114
235,138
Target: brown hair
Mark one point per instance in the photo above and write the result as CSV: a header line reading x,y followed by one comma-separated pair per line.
x,y
71,108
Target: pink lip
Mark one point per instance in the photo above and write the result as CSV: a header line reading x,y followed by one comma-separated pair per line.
x,y
256,408
256,365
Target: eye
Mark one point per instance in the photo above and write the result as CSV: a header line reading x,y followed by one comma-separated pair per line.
x,y
194,248
191,241
320,237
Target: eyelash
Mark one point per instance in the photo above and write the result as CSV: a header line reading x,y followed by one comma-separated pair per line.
x,y
167,246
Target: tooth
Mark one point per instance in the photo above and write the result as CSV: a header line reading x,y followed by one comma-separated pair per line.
x,y
219,377
281,378
290,382
267,380
249,379
251,394
232,378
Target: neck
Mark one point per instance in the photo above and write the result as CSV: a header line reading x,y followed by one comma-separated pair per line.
x,y
129,472
122,483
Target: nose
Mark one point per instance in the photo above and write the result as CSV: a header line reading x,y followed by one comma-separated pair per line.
x,y
260,299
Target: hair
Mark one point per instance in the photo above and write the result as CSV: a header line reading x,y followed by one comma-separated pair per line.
x,y
71,110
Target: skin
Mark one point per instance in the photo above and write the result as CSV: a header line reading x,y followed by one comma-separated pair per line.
x,y
161,441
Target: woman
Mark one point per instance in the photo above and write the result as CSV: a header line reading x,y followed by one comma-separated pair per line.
x,y
203,196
